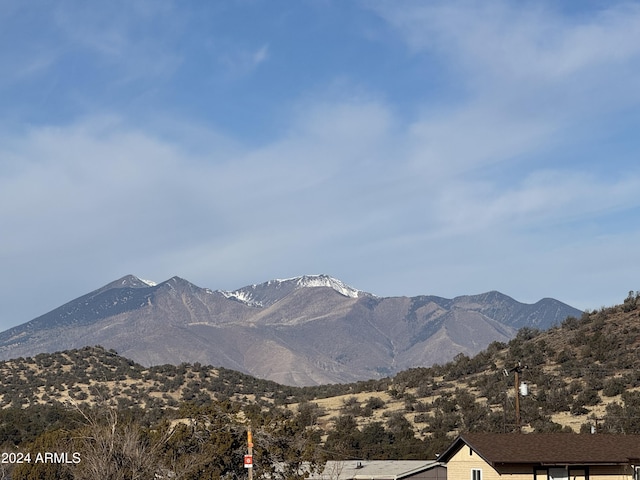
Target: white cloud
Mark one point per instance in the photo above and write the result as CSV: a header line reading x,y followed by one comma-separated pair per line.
x,y
545,200
126,41
532,84
518,41
261,55
450,143
119,178
239,61
528,60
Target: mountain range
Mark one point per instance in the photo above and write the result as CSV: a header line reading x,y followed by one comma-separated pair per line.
x,y
306,330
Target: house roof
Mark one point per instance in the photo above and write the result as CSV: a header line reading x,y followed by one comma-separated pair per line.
x,y
374,469
549,449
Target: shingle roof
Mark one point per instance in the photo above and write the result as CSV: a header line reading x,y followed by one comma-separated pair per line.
x,y
552,448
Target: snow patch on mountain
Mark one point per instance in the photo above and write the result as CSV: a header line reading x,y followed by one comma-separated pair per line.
x,y
242,296
270,292
131,281
326,281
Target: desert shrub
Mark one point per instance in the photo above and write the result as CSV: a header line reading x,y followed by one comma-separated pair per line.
x,y
375,403
613,387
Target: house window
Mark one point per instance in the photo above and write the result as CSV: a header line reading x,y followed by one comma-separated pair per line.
x,y
558,474
476,474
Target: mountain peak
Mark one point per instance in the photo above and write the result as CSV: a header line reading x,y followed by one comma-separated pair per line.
x,y
128,281
270,292
323,280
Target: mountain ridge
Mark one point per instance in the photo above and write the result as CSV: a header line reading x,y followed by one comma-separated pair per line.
x,y
305,330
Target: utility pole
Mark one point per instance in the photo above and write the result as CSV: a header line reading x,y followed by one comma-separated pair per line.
x,y
517,385
517,370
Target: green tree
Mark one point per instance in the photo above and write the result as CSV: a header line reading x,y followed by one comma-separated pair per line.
x,y
375,441
58,441
344,439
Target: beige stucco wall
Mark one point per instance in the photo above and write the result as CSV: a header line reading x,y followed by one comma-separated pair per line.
x,y
465,460
611,473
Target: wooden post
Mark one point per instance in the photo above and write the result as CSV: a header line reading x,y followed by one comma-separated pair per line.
x,y
250,451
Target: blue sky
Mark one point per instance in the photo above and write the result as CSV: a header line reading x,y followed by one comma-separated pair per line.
x,y
404,147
